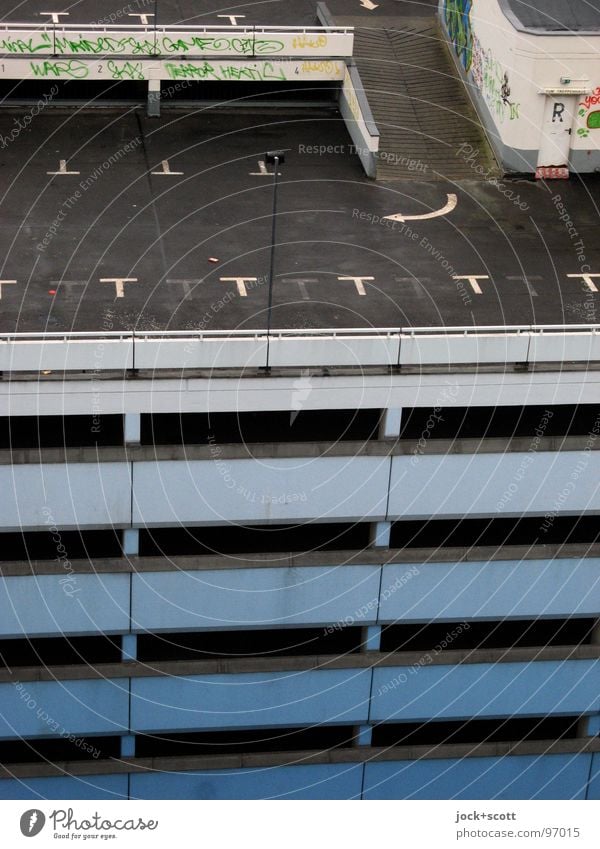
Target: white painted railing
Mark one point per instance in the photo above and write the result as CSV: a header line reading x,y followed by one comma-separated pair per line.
x,y
306,348
88,40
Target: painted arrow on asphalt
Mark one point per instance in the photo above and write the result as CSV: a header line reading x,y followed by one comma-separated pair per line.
x,y
367,4
450,205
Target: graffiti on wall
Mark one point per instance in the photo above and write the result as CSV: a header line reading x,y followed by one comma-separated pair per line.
x,y
589,116
491,78
457,16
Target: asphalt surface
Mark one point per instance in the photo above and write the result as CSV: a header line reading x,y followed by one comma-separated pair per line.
x,y
67,237
163,12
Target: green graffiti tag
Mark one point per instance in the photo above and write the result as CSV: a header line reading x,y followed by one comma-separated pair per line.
x,y
30,46
69,68
206,70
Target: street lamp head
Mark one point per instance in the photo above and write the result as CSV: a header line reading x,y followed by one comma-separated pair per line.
x,y
271,156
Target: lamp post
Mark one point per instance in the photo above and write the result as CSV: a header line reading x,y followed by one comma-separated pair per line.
x,y
275,158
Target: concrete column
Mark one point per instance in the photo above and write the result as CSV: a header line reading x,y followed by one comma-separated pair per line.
x,y
372,638
589,726
380,535
131,541
391,423
133,428
129,647
153,99
365,735
127,746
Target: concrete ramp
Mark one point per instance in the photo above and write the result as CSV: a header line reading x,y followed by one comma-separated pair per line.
x,y
419,104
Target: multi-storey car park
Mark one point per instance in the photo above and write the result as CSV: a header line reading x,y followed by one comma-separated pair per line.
x,y
303,512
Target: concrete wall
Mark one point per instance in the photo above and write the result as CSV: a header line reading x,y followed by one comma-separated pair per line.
x,y
508,71
570,776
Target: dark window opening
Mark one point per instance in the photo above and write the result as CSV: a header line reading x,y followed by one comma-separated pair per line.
x,y
60,431
60,651
237,742
237,539
477,422
248,92
511,729
276,642
64,546
265,427
460,533
452,636
74,90
64,749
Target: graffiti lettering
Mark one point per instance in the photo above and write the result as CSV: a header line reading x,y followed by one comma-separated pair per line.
x,y
70,68
301,42
326,66
19,45
457,16
223,71
125,71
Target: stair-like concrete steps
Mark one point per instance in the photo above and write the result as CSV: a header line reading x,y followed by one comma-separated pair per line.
x,y
418,101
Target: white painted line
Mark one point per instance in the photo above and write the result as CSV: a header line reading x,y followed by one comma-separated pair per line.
x,y
301,281
262,170
185,283
55,16
232,18
367,4
527,282
472,278
119,283
143,17
166,170
416,283
240,282
587,279
358,282
6,283
450,205
62,169
66,284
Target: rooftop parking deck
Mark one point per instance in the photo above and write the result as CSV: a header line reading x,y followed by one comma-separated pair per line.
x,y
165,224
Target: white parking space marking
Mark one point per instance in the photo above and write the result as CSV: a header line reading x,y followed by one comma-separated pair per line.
x,y
527,282
62,169
301,281
166,170
587,279
232,18
143,17
66,284
416,283
262,170
358,282
55,16
6,283
185,283
472,278
119,283
240,282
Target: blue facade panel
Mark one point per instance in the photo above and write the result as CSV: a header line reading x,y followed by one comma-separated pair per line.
x,y
491,590
318,781
338,697
421,692
64,604
523,777
60,708
66,787
240,598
